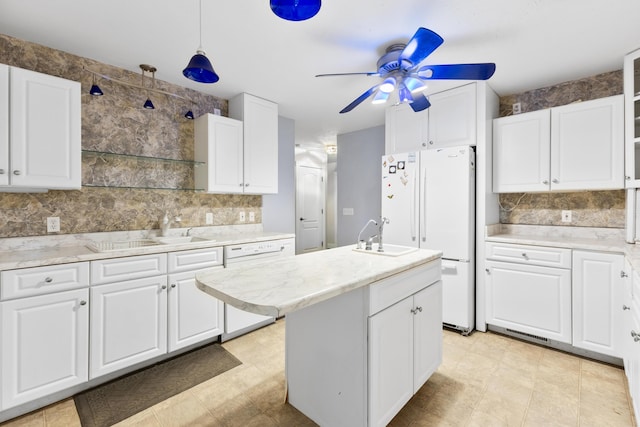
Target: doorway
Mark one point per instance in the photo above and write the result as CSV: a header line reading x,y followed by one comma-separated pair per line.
x,y
310,212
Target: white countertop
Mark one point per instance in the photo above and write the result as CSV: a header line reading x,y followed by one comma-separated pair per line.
x,y
276,288
73,248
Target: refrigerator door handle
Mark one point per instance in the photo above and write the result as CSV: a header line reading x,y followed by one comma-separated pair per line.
x,y
412,215
423,210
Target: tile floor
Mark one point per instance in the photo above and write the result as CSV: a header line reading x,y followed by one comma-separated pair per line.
x,y
485,379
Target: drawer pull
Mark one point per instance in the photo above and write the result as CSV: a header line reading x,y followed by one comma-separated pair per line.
x,y
48,280
525,256
173,285
487,270
83,302
635,335
416,310
623,274
164,286
545,182
625,307
555,181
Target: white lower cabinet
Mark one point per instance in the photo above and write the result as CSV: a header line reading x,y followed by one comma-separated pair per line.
x,y
405,349
45,341
597,279
631,347
357,358
128,323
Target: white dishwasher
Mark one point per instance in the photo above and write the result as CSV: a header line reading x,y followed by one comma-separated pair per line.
x,y
246,255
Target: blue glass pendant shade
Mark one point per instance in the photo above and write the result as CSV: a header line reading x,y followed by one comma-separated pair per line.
x,y
200,69
149,105
95,90
295,10
189,115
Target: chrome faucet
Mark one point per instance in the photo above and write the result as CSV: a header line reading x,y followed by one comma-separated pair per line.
x,y
384,220
359,246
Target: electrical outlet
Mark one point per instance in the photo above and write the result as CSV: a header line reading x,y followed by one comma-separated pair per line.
x,y
566,216
252,217
53,224
516,108
208,218
242,216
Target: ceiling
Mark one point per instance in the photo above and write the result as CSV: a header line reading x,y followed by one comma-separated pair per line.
x,y
534,43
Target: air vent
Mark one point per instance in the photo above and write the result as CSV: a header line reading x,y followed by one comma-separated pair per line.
x,y
527,335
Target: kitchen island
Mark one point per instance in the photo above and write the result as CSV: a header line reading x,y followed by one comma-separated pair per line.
x,y
363,330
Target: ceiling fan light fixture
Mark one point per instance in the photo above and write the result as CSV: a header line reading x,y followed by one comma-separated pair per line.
x,y
199,68
404,94
380,97
295,10
388,85
414,85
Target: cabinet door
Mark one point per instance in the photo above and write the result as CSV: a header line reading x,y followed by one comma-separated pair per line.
x,y
260,146
128,323
631,113
4,124
218,143
45,342
193,315
596,280
427,333
452,117
587,145
390,361
44,131
530,299
521,150
405,130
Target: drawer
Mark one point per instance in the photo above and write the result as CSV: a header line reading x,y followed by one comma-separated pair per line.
x,y
527,254
26,282
387,292
194,259
135,267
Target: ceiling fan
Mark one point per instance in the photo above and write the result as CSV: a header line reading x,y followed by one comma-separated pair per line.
x,y
400,68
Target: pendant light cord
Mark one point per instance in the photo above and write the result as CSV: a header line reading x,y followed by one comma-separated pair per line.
x,y
200,45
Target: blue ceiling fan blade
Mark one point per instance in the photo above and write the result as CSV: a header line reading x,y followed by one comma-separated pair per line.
x,y
420,102
358,100
457,71
370,73
421,45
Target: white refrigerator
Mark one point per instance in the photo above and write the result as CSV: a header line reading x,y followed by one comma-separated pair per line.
x,y
429,199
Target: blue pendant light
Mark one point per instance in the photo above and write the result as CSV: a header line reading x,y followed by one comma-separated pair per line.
x,y
189,115
200,68
295,10
95,89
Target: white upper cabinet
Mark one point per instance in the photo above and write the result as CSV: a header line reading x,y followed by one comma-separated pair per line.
x,y
450,121
218,143
260,128
574,147
526,137
40,140
632,118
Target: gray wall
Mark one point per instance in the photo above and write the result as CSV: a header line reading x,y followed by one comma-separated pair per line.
x,y
279,210
359,177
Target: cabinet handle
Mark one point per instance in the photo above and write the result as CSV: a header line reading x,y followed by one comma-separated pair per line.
x,y
48,280
555,181
83,302
627,177
525,256
416,310
246,185
430,142
635,335
1,171
164,286
623,274
173,285
545,182
487,270
16,172
625,307
424,144
241,184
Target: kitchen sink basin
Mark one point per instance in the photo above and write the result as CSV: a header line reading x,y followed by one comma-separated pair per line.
x,y
119,245
389,250
173,240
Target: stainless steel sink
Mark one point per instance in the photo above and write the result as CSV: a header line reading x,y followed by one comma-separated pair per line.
x,y
174,240
389,250
119,245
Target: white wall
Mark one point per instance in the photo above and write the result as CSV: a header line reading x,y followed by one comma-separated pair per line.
x,y
279,210
359,176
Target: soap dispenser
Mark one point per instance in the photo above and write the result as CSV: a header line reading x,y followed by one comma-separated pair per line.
x,y
164,224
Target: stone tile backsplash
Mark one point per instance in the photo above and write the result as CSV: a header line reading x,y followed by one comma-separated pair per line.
x,y
589,208
117,123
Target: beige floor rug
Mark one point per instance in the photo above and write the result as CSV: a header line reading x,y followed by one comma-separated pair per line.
x,y
121,398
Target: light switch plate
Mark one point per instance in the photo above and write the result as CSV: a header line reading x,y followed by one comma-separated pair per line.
x,y
566,216
347,211
208,218
53,224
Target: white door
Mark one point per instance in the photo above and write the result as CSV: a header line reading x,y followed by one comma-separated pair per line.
x,y
309,209
400,198
596,280
587,145
193,315
531,299
452,117
521,150
4,124
427,333
44,131
405,130
45,341
390,361
128,323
